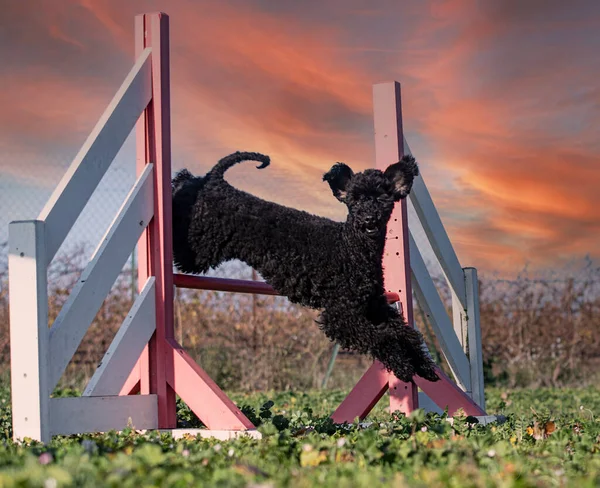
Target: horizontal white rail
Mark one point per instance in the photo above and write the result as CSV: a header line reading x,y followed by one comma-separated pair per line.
x,y
97,153
437,236
100,274
78,415
432,305
127,346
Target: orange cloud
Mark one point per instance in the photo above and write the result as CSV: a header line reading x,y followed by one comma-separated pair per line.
x,y
501,99
511,113
247,79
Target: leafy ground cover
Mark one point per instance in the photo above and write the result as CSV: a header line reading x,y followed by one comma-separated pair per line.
x,y
550,437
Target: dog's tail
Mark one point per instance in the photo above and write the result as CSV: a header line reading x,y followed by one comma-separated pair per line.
x,y
237,157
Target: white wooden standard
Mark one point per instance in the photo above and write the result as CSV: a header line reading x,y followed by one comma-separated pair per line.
x,y
76,415
27,280
129,342
432,305
474,336
437,236
99,275
89,166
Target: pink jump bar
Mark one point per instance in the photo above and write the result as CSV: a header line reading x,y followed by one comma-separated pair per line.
x,y
236,286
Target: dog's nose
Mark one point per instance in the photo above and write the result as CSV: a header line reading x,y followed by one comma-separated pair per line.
x,y
370,220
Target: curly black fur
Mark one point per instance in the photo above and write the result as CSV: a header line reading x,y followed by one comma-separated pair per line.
x,y
332,266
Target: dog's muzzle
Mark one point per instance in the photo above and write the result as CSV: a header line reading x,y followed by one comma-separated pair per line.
x,y
371,227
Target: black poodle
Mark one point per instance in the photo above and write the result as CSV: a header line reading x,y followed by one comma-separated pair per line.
x,y
335,267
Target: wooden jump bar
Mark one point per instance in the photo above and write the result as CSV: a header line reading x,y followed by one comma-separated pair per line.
x,y
236,286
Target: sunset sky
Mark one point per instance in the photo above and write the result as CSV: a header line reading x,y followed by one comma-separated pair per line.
x,y
501,105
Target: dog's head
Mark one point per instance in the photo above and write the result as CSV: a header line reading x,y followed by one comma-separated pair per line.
x,y
370,196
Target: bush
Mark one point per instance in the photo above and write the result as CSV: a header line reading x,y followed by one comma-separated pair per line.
x,y
534,333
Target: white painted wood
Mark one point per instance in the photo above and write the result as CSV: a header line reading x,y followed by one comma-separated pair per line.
x,y
434,309
440,242
459,321
474,337
99,275
78,415
222,435
481,419
28,292
428,404
127,346
97,153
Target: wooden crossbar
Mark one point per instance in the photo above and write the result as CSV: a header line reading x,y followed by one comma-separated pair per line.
x,y
236,286
77,415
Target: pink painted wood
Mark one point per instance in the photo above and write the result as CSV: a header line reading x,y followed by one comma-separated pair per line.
x,y
132,383
364,396
164,366
223,284
202,394
403,396
153,29
236,286
389,148
445,393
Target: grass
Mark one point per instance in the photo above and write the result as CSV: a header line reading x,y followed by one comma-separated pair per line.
x,y
551,437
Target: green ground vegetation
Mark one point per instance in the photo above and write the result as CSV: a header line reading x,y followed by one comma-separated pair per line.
x,y
549,437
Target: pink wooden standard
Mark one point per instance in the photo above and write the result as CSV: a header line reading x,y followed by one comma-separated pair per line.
x,y
389,145
164,368
389,148
153,31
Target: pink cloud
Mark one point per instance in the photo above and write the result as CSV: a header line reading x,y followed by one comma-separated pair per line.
x,y
503,101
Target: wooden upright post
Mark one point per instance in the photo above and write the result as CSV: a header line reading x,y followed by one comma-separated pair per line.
x,y
398,274
389,149
29,333
156,249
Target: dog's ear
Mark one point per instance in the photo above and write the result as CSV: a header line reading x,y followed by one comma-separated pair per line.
x,y
338,178
402,175
180,179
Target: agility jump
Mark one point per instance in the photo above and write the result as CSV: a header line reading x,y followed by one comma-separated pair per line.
x,y
144,367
